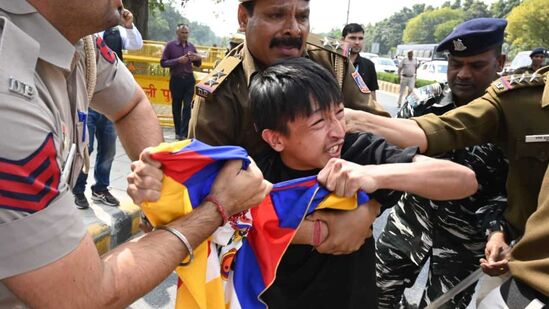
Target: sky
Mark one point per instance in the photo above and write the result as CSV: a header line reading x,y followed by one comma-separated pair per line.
x,y
324,14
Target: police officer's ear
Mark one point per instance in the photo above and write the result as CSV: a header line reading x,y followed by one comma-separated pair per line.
x,y
274,139
242,18
501,62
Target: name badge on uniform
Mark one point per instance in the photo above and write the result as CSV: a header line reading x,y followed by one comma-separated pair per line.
x,y
360,82
536,138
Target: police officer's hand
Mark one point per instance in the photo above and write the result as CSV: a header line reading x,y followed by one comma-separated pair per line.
x,y
126,19
347,229
145,180
345,178
497,255
237,189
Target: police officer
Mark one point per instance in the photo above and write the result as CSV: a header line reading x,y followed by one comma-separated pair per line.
x,y
47,79
538,57
221,114
452,234
513,114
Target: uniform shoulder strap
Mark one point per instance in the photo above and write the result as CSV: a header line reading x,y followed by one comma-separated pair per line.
x,y
516,81
17,74
326,43
208,85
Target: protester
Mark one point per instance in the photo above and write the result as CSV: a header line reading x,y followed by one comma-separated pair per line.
x,y
296,105
353,34
521,132
221,113
47,258
538,57
452,234
123,36
180,56
407,69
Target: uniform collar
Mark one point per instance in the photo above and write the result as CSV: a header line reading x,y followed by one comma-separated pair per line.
x,y
54,47
249,65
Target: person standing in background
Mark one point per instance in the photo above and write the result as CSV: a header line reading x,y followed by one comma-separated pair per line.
x,y
407,72
123,36
538,57
354,35
180,55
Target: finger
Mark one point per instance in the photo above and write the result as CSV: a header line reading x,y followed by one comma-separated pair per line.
x,y
340,185
146,156
331,183
494,255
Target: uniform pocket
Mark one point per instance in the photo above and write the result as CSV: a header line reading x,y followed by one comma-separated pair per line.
x,y
539,151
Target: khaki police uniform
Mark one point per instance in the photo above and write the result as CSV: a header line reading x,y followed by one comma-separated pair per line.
x,y
221,113
43,104
514,114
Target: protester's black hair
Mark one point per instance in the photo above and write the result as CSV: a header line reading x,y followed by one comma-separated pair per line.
x,y
351,28
288,89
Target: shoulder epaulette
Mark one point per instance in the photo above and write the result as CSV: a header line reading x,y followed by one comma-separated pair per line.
x,y
207,86
18,67
329,44
516,81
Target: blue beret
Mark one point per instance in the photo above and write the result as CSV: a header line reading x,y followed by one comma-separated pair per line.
x,y
537,51
474,36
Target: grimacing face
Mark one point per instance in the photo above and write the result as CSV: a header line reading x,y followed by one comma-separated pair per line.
x,y
469,76
276,30
312,141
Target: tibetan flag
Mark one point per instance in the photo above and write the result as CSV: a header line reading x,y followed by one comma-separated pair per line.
x,y
238,262
190,167
275,222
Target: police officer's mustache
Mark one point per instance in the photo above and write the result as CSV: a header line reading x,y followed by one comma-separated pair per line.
x,y
287,42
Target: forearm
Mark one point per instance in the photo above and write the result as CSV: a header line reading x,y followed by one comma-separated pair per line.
x,y
303,235
138,128
432,179
138,266
399,132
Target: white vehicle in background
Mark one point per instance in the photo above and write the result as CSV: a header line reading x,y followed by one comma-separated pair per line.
x,y
433,70
368,55
384,65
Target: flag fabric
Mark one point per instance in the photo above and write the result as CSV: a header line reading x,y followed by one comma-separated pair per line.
x,y
238,262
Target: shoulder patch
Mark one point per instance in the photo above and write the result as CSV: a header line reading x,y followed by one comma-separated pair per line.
x,y
329,44
104,50
32,183
207,86
516,81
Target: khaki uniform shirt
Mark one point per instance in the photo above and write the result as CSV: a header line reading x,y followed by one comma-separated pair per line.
x,y
225,118
518,121
43,104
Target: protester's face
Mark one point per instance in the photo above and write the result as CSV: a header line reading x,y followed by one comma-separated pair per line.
x,y
312,141
183,34
537,60
468,77
277,29
356,41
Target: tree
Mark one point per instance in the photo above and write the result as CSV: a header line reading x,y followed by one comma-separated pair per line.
x,y
432,26
475,9
528,25
501,8
140,10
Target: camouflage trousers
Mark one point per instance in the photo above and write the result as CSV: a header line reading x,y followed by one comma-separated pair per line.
x,y
449,235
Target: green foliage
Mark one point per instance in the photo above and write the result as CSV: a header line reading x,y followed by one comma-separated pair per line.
x,y
501,8
393,78
529,24
422,28
163,22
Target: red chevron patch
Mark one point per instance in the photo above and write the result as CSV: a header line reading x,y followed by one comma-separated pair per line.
x,y
32,183
104,50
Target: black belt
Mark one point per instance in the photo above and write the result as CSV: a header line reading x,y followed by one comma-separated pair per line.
x,y
407,75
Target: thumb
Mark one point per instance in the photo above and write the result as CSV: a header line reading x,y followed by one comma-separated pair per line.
x,y
493,256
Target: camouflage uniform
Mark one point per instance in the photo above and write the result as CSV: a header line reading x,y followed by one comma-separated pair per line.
x,y
451,233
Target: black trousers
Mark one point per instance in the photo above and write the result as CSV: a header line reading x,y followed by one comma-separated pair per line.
x,y
182,90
